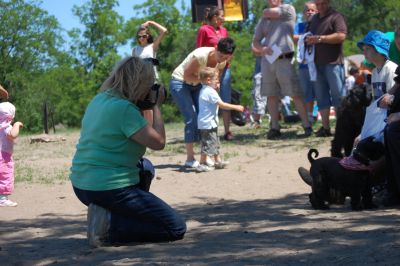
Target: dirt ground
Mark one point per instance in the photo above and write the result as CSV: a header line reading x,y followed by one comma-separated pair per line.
x,y
255,212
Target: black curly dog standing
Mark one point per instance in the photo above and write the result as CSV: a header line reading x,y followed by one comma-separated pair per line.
x,y
327,173
350,118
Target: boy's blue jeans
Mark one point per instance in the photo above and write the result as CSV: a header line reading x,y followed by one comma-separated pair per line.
x,y
136,215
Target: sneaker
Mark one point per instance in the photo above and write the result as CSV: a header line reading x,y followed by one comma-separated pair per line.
x,y
308,131
203,168
192,164
221,164
273,134
305,175
228,136
98,220
7,203
209,162
323,132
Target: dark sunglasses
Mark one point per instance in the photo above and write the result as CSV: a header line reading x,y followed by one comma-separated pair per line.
x,y
142,36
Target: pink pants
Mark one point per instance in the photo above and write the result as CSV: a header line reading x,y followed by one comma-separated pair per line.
x,y
6,173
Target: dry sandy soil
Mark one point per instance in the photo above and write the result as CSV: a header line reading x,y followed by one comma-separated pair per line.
x,y
255,212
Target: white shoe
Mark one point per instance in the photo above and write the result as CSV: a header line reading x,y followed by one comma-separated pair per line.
x,y
221,164
98,220
210,162
192,164
203,168
7,203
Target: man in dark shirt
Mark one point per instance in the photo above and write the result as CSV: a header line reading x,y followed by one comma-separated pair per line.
x,y
329,32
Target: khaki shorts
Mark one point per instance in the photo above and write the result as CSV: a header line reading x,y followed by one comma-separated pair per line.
x,y
209,141
279,78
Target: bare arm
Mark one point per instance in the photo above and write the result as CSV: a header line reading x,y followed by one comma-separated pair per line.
x,y
153,136
228,106
14,132
334,38
161,33
191,72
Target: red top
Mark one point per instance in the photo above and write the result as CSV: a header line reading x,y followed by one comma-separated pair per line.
x,y
208,36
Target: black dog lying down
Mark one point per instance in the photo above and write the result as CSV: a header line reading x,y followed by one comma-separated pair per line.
x,y
329,173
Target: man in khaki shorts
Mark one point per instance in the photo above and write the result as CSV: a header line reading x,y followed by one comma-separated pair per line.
x,y
279,77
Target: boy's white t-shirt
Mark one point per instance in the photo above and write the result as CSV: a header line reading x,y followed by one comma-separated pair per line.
x,y
208,108
382,80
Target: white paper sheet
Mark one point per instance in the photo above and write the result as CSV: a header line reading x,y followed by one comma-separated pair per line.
x,y
276,52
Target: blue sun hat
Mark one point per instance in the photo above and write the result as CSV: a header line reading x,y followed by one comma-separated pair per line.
x,y
378,40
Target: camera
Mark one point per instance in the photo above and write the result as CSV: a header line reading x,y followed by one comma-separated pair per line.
x,y
152,97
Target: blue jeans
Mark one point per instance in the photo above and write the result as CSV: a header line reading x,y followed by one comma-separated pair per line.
x,y
187,99
136,215
329,85
226,86
306,84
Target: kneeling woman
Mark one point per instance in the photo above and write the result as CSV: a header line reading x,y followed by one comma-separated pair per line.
x,y
104,172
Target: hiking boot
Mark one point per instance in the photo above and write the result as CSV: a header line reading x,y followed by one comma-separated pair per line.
x,y
273,134
305,175
323,132
98,220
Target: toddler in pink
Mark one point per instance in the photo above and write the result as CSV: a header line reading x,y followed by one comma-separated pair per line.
x,y
8,133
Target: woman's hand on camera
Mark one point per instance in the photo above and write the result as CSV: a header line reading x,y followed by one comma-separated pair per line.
x,y
161,96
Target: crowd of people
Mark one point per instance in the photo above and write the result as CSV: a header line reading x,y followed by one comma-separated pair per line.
x,y
109,173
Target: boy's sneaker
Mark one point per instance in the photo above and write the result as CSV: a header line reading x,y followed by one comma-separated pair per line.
x,y
323,132
221,164
192,164
98,220
209,162
203,168
7,203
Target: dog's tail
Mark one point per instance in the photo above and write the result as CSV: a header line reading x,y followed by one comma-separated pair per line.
x,y
310,155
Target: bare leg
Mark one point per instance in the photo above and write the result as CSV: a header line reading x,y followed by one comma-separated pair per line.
x,y
325,117
226,116
189,152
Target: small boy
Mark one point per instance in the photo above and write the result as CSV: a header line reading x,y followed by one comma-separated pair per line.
x,y
207,119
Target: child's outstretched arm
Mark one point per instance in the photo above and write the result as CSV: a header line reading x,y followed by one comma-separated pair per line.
x,y
14,132
228,106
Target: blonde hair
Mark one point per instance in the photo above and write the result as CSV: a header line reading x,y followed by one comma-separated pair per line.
x,y
207,72
131,79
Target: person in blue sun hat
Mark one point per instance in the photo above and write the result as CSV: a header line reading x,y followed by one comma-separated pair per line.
x,y
375,46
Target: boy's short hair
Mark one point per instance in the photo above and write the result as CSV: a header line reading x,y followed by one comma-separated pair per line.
x,y
207,72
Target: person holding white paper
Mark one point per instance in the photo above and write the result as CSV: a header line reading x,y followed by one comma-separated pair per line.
x,y
279,76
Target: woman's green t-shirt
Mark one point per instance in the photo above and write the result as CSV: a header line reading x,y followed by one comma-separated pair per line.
x,y
106,158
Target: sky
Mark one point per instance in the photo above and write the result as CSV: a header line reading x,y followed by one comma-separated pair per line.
x,y
62,10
